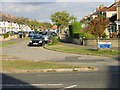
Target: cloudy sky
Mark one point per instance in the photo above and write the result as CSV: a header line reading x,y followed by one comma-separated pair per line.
x,y
41,10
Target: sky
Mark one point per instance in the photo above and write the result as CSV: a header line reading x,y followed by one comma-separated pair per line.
x,y
41,10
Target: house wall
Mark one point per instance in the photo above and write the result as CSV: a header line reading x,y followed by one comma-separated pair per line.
x,y
118,12
110,13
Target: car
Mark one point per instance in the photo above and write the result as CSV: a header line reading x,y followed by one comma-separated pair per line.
x,y
21,34
46,36
31,34
36,40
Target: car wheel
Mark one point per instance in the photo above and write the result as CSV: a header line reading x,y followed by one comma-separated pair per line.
x,y
29,45
43,44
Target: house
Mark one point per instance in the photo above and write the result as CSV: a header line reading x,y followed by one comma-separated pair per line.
x,y
7,24
118,16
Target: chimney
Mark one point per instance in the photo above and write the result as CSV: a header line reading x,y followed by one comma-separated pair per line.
x,y
101,6
117,0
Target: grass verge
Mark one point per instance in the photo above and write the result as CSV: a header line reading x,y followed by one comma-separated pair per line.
x,y
76,50
37,66
6,44
11,42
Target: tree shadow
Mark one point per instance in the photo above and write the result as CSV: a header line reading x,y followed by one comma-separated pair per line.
x,y
11,83
114,77
117,58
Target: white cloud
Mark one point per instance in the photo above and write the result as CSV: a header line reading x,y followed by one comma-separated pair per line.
x,y
84,0
57,0
42,11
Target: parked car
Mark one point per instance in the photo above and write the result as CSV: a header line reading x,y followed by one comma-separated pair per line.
x,y
47,37
31,34
21,34
36,40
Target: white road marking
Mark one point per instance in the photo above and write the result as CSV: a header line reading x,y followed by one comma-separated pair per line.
x,y
26,85
72,86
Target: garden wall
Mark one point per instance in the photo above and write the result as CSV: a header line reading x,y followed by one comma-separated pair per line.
x,y
93,42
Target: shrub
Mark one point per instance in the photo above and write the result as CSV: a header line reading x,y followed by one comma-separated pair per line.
x,y
104,36
86,35
76,27
6,35
89,35
54,40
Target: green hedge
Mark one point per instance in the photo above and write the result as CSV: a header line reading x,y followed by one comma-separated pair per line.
x,y
6,35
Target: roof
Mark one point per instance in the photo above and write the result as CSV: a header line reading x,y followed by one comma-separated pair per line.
x,y
102,8
112,7
54,27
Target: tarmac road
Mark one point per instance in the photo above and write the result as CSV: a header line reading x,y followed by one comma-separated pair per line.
x,y
62,80
104,78
23,52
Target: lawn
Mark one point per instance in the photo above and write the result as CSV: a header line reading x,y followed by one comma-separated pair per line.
x,y
76,50
24,64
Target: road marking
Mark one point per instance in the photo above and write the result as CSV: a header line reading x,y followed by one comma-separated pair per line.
x,y
26,85
72,86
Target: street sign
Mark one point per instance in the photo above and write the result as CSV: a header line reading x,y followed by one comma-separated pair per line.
x,y
104,45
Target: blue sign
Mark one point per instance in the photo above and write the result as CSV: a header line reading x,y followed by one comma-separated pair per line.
x,y
104,45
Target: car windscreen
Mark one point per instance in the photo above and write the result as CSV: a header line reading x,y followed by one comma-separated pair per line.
x,y
37,37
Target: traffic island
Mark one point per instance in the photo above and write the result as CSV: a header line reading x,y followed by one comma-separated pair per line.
x,y
26,66
82,69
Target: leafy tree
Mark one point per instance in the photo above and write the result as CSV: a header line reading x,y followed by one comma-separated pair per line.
x,y
62,19
97,26
46,25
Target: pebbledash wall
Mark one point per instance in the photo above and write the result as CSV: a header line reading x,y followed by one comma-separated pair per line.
x,y
94,42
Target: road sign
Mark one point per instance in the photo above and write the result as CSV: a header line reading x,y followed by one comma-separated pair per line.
x,y
104,45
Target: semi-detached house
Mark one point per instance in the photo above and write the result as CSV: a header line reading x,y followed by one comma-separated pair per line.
x,y
6,25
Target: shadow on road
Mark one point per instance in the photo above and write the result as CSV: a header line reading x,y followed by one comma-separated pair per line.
x,y
11,83
114,77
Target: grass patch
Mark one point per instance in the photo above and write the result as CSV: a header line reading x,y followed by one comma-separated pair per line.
x,y
76,50
11,42
31,65
6,44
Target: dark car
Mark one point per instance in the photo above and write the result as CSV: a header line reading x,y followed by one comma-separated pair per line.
x,y
36,40
21,34
31,34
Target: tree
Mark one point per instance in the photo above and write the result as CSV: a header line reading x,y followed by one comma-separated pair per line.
x,y
62,19
97,26
46,25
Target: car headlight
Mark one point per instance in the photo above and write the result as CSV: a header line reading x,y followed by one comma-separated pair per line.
x,y
40,41
30,41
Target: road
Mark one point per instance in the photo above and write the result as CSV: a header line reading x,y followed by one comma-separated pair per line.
x,y
62,80
22,51
105,77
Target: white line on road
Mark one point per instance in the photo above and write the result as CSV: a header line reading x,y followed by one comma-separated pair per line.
x,y
72,86
27,85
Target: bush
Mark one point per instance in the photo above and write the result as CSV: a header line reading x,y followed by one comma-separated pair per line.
x,y
104,36
86,35
76,27
54,40
89,35
6,35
